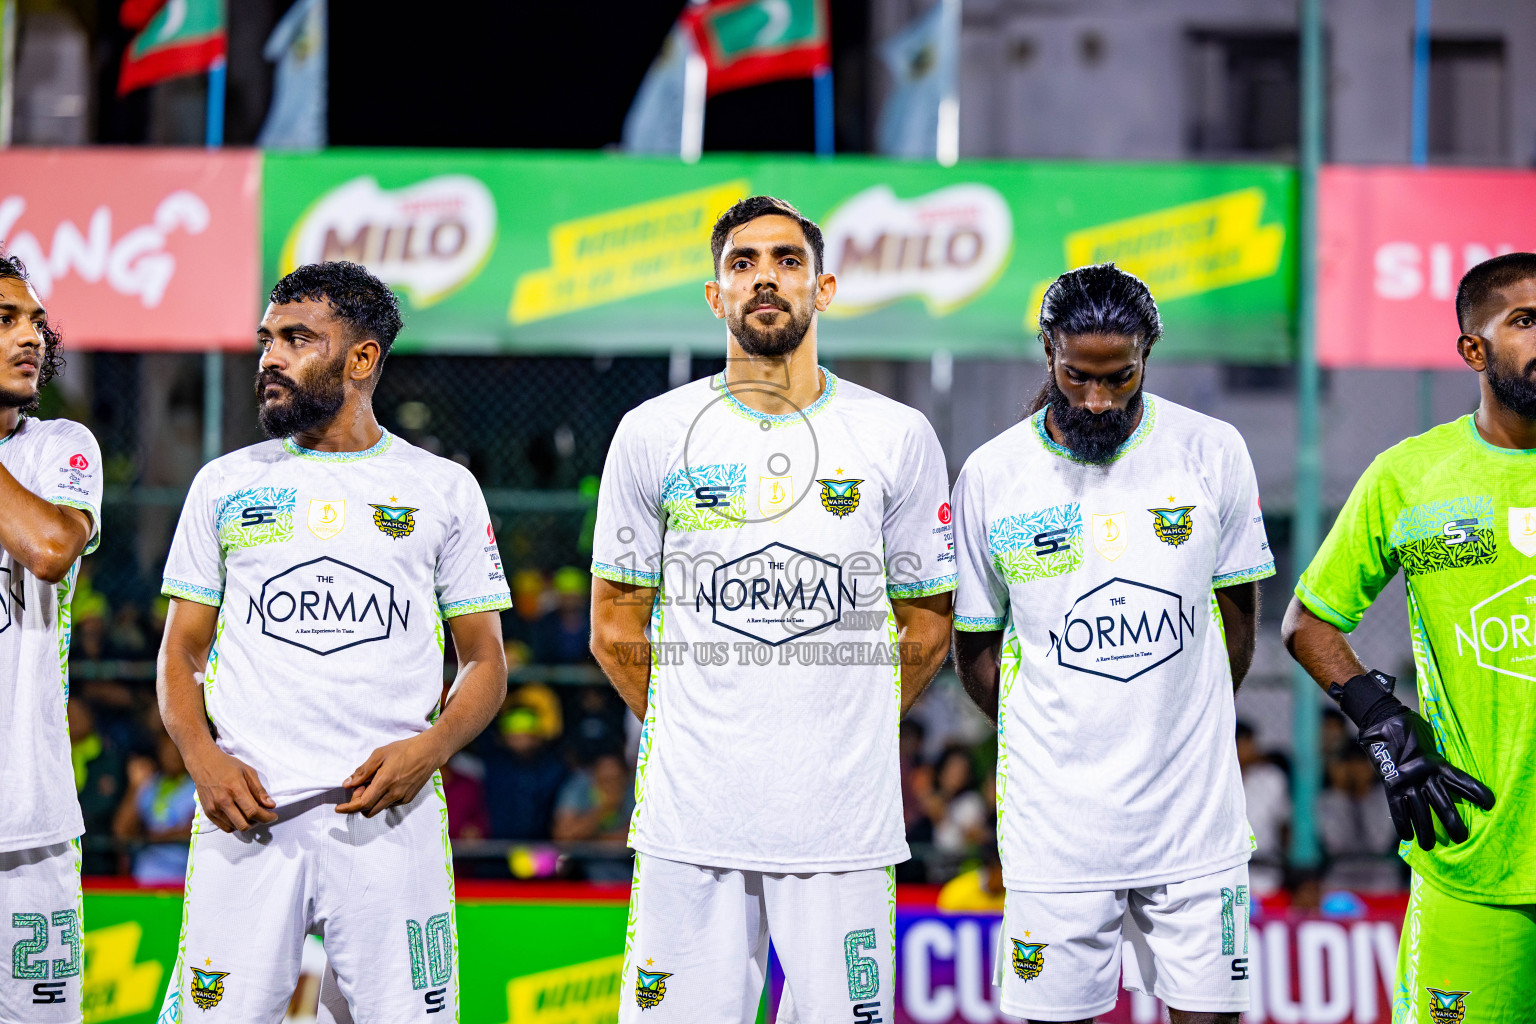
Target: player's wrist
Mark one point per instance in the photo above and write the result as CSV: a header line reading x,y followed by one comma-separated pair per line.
x,y
1367,699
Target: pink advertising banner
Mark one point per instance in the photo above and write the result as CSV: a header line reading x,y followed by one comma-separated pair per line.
x,y
1393,244
138,249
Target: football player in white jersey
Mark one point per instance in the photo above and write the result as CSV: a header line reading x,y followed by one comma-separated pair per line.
x,y
773,568
312,578
50,489
1109,552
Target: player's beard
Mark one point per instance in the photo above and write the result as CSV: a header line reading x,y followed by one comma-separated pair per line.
x,y
1092,437
310,403
26,401
768,341
1514,388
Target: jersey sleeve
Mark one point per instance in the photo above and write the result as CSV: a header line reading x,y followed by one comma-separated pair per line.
x,y
1356,559
470,576
981,598
194,569
70,474
918,534
626,540
1243,554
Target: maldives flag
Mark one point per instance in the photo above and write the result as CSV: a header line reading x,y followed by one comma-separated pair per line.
x,y
748,42
182,37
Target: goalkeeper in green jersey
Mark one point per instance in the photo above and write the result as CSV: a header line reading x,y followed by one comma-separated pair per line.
x,y
1453,508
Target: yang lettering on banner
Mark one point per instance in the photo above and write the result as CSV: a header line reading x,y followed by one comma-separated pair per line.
x,y
138,249
1394,244
525,252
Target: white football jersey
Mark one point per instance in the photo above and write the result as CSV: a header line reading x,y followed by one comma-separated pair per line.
x,y
777,544
59,461
333,573
1116,764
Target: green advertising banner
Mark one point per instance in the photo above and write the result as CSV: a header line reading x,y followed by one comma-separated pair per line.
x,y
539,961
602,253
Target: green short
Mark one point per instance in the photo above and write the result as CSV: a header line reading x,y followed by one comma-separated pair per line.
x,y
1464,962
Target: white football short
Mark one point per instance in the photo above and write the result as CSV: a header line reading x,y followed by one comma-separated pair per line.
x,y
1185,943
378,891
40,930
697,947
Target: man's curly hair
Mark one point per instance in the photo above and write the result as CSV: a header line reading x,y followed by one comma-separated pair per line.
x,y
53,342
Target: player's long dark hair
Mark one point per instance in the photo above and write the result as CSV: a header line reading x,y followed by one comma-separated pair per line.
x,y
53,342
1099,299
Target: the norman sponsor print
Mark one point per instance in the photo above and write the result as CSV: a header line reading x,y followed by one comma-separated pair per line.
x,y
325,605
1500,631
1122,629
776,594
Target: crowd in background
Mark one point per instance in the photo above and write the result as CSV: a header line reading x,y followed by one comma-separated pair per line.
x,y
547,790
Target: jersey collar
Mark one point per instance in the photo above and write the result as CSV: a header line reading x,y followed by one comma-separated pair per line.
x,y
379,448
740,408
20,423
1130,444
1482,442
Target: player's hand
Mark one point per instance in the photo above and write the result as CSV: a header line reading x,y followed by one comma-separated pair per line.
x,y
232,795
392,775
1419,781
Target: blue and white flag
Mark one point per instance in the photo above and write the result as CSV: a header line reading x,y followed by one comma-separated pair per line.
x,y
297,117
654,123
923,58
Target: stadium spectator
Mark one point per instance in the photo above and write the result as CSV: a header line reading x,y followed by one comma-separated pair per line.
x,y
523,775
913,735
88,625
595,723
1334,736
464,793
1268,795
561,636
960,815
595,803
127,639
978,890
529,603
158,808
100,778
1356,828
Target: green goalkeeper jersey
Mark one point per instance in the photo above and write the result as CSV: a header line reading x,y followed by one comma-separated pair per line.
x,y
1458,516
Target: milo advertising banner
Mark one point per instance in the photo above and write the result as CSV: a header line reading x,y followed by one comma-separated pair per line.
x,y
529,252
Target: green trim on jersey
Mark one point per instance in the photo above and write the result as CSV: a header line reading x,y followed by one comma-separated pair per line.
x,y
979,624
379,448
1130,444
191,592
922,588
493,603
1232,579
740,408
1449,510
624,574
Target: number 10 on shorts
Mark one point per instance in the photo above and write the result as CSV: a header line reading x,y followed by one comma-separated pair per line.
x,y
431,959
1234,904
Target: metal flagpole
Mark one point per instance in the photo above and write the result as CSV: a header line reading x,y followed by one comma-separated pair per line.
x,y
825,112
947,145
1306,517
1420,152
7,69
213,360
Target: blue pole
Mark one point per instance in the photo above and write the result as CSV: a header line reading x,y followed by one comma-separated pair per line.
x,y
213,361
824,115
1420,128
214,123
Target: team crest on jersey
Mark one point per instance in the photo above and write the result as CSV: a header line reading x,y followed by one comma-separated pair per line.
x,y
394,520
840,497
650,987
1173,525
1028,959
208,987
327,517
1522,530
1447,1007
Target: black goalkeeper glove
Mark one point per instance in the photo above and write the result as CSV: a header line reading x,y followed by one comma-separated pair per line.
x,y
1418,780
